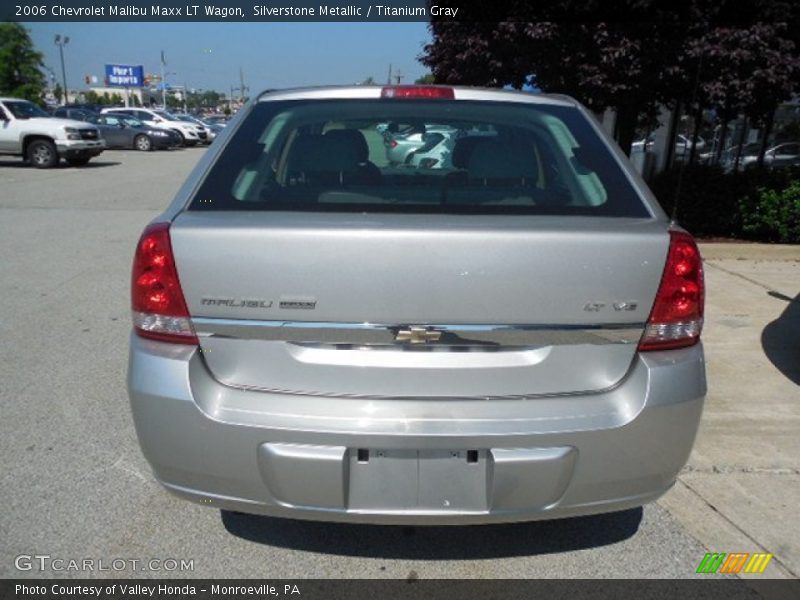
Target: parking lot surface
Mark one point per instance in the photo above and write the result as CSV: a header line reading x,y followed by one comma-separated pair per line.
x,y
74,484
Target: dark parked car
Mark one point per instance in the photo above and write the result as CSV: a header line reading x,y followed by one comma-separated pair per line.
x,y
121,131
77,113
86,106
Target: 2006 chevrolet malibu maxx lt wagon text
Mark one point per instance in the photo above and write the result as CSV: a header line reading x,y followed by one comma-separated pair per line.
x,y
506,329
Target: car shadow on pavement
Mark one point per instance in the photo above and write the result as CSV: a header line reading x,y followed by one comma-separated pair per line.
x,y
781,339
437,543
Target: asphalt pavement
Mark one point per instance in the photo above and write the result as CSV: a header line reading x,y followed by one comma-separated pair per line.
x,y
74,484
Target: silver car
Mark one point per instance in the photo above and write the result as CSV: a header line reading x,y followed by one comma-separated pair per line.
x,y
403,140
512,336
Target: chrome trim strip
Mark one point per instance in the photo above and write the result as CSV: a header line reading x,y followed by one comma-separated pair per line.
x,y
374,334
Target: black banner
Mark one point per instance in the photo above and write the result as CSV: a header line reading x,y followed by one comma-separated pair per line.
x,y
409,589
239,11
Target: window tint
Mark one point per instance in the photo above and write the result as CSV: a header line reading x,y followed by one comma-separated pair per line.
x,y
417,156
22,109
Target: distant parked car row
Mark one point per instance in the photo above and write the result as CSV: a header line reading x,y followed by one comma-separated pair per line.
x,y
123,131
683,145
781,155
188,130
164,129
786,154
189,133
78,132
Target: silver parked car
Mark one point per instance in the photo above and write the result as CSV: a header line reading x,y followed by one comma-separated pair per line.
x,y
511,336
782,155
403,140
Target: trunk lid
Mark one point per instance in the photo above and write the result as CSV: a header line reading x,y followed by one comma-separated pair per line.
x,y
392,305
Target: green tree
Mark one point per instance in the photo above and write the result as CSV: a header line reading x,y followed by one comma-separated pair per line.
x,y
698,58
173,102
20,62
58,92
426,79
212,99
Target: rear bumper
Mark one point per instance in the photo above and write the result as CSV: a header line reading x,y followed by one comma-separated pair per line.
x,y
428,461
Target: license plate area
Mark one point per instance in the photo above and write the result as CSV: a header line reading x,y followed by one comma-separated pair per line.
x,y
417,480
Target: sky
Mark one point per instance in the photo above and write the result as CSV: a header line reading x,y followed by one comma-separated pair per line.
x,y
209,55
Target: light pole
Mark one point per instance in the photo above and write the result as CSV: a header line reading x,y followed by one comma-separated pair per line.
x,y
61,42
230,100
163,81
52,76
164,88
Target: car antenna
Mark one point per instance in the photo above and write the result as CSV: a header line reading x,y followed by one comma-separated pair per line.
x,y
679,184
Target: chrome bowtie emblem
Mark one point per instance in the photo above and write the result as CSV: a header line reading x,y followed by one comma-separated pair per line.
x,y
417,335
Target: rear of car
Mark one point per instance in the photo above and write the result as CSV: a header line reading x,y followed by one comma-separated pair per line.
x,y
510,333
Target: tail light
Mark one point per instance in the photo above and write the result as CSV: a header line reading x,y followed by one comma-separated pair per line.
x,y
159,309
417,91
392,143
677,316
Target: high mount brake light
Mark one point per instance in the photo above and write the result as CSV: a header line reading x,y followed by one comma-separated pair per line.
x,y
677,316
417,91
159,308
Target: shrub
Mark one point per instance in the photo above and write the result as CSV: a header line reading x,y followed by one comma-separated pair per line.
x,y
775,216
756,204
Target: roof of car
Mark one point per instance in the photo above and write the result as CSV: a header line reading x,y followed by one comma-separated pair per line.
x,y
374,91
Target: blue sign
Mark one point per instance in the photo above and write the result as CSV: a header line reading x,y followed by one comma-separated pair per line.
x,y
124,76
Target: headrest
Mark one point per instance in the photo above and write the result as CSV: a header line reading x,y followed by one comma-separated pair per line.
x,y
463,148
322,154
353,137
503,159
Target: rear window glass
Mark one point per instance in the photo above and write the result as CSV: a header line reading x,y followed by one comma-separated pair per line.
x,y
417,156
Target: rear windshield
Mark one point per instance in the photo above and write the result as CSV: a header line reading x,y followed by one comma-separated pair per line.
x,y
417,156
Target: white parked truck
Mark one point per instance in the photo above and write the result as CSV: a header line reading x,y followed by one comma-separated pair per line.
x,y
28,131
